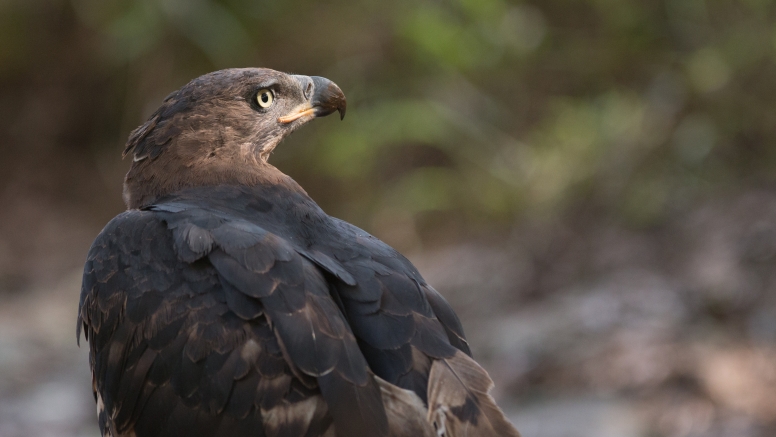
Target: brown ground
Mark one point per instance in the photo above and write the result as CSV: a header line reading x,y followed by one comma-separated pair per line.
x,y
587,329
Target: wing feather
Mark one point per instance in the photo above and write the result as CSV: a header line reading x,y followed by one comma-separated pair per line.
x,y
460,404
294,296
169,354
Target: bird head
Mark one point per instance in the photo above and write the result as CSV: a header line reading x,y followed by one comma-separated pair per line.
x,y
221,128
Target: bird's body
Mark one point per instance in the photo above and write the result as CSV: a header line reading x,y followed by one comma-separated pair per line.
x,y
233,305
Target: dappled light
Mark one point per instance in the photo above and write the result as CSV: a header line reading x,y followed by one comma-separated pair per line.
x,y
590,184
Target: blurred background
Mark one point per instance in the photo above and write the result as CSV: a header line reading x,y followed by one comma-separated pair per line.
x,y
589,182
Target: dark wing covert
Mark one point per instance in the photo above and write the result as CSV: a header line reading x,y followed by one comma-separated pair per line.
x,y
202,324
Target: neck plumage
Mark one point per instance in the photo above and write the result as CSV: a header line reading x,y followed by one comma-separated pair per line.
x,y
172,171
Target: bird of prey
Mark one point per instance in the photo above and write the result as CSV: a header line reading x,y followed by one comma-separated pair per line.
x,y
225,302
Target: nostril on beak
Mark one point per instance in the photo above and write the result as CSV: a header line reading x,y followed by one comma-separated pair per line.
x,y
306,85
308,91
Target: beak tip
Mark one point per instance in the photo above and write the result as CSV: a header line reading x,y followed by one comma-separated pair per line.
x,y
328,97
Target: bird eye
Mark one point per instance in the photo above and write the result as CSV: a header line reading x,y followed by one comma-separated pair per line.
x,y
265,98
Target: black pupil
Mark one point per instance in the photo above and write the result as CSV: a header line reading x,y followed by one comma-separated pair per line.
x,y
265,97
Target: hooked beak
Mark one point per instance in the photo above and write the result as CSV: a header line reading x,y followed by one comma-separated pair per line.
x,y
323,97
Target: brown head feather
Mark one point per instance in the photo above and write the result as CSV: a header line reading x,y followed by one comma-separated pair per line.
x,y
213,131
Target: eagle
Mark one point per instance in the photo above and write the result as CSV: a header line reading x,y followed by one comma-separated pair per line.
x,y
225,302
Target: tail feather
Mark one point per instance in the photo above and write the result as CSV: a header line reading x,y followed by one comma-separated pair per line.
x,y
405,410
459,403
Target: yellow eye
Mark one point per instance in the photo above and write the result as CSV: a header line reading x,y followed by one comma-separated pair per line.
x,y
265,98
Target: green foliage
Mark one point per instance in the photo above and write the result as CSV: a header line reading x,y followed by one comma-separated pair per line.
x,y
489,111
